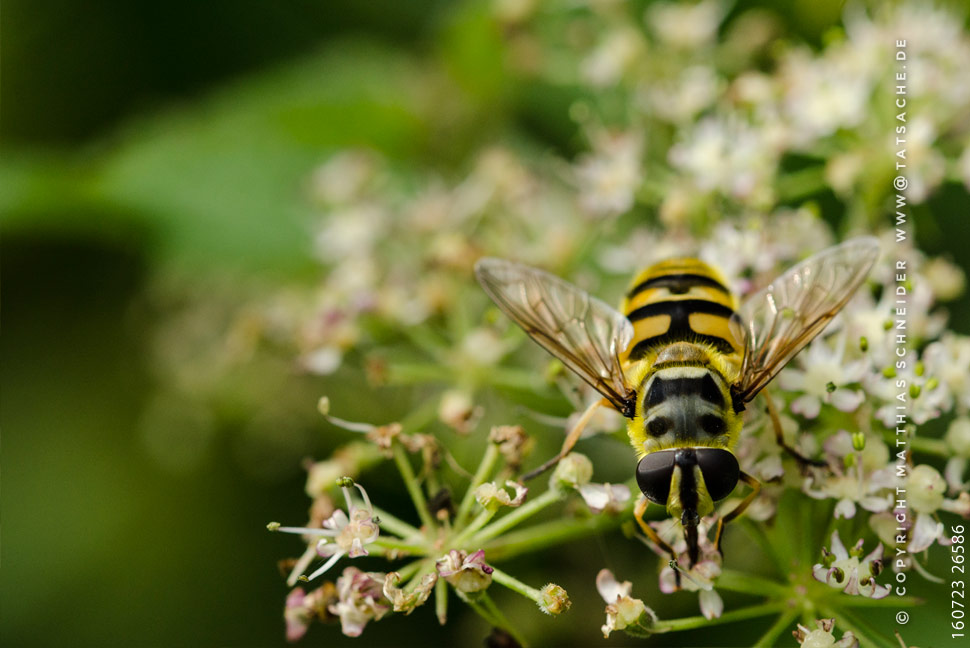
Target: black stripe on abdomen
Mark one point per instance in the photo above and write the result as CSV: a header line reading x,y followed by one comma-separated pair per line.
x,y
663,388
678,284
679,329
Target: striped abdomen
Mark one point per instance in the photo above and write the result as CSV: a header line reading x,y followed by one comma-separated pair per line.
x,y
680,300
682,358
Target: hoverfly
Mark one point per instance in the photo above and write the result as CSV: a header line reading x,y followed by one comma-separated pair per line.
x,y
680,360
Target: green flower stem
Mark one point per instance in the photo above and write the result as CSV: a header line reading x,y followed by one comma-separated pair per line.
x,y
441,601
757,534
412,373
735,581
929,446
804,536
480,521
510,378
847,601
426,340
548,534
417,496
424,567
483,472
800,184
393,544
515,585
517,516
483,606
421,416
414,567
489,605
866,639
395,525
407,373
769,638
689,623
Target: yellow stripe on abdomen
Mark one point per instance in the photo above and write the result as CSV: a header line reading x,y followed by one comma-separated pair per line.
x,y
680,300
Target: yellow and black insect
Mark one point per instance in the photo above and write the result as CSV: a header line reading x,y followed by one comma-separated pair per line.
x,y
680,360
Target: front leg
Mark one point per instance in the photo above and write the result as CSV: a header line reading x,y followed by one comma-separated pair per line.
x,y
802,460
738,510
638,512
568,444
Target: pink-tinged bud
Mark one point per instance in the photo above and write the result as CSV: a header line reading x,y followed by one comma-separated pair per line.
x,y
297,616
360,598
302,609
466,573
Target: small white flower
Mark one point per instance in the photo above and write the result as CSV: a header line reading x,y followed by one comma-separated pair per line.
x,y
681,100
822,637
606,65
927,495
824,377
844,570
611,498
610,176
344,534
867,482
322,361
465,572
728,155
457,410
623,612
686,26
490,494
343,178
360,600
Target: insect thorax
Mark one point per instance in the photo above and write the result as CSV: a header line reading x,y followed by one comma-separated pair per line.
x,y
683,406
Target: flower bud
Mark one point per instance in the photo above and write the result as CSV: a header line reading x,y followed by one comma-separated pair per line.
x,y
554,599
360,599
573,471
926,489
822,637
407,600
457,411
489,494
466,573
958,436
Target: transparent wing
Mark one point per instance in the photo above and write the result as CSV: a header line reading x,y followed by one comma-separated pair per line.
x,y
776,322
580,330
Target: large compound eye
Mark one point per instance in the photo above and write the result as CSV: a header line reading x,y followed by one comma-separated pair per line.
x,y
720,469
654,473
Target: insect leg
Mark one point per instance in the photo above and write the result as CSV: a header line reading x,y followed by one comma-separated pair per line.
x,y
776,424
739,509
568,444
638,512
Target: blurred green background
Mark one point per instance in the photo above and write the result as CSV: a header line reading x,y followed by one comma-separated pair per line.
x,y
153,151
